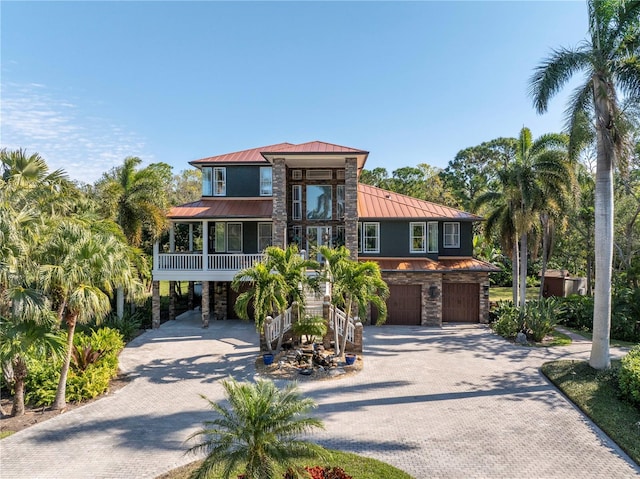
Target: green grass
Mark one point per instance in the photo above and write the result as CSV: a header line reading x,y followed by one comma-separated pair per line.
x,y
559,339
614,342
596,394
505,293
164,287
357,466
4,434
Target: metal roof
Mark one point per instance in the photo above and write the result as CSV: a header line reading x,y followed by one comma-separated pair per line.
x,y
375,202
254,155
313,147
224,208
442,265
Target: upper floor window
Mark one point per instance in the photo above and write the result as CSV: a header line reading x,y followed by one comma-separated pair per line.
x,y
319,199
219,181
296,202
432,237
207,180
340,200
266,187
451,236
369,238
418,238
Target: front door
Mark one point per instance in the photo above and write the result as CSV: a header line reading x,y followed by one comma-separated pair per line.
x,y
318,236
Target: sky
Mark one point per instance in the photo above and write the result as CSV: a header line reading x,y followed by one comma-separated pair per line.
x,y
86,83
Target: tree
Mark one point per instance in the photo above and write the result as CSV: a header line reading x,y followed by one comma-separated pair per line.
x,y
377,177
258,430
186,187
267,294
610,59
354,285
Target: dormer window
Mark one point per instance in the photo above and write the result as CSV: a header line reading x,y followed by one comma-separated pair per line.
x,y
214,181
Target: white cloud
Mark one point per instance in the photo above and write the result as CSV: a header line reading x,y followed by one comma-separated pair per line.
x,y
67,136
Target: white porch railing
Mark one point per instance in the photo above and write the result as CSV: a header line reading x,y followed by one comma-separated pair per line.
x,y
279,325
338,318
215,262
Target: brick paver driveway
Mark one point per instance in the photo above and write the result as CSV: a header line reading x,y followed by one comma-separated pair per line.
x,y
453,402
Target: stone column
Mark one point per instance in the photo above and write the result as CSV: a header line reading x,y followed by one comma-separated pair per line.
x,y
351,206
155,304
190,296
172,300
205,304
279,231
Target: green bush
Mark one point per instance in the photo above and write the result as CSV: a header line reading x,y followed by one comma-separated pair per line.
x,y
541,317
508,319
128,325
625,315
311,327
42,381
577,312
629,376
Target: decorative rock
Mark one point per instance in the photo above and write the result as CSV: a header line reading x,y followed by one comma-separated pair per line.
x,y
336,372
521,338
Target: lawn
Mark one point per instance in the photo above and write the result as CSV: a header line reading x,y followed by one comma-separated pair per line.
x,y
613,342
596,394
357,466
505,293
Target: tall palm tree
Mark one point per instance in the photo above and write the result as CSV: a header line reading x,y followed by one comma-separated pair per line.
x,y
258,430
610,57
267,294
355,285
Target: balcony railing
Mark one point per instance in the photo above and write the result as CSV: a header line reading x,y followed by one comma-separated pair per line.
x,y
215,262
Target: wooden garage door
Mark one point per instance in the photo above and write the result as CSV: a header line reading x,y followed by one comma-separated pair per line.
x,y
461,302
404,304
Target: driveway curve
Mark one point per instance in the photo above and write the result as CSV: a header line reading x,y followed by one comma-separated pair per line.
x,y
451,402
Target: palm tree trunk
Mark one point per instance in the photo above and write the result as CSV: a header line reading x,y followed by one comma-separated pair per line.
x,y
20,373
336,333
599,358
523,269
343,347
515,281
61,392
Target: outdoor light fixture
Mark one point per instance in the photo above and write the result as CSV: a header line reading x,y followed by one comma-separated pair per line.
x,y
485,289
433,291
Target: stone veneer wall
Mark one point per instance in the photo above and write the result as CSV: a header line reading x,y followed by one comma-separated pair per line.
x,y
220,300
482,279
279,195
431,308
351,206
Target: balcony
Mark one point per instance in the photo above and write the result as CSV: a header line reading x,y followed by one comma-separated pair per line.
x,y
193,267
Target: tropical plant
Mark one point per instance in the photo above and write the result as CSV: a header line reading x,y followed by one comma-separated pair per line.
x,y
311,327
258,429
629,376
610,59
354,285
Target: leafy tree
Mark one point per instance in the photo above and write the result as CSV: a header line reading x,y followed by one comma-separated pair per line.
x,y
258,430
186,187
610,59
377,177
355,285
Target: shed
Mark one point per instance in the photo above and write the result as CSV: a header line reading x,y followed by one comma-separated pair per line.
x,y
559,282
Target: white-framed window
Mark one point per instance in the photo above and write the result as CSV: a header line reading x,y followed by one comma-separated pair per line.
x,y
264,235
296,202
451,236
207,181
340,200
418,238
370,237
220,237
432,237
234,237
266,182
219,181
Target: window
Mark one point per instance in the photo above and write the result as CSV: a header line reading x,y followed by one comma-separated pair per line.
x,y
418,240
264,235
370,237
207,189
340,237
296,202
340,200
451,237
219,181
220,241
234,237
319,199
265,181
432,237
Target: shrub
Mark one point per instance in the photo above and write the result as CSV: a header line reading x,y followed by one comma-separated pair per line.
x,y
42,381
577,312
128,325
541,317
310,327
629,376
509,320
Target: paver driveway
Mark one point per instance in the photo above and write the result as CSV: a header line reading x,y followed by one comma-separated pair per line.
x,y
450,402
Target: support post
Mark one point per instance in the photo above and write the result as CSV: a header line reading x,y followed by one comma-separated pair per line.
x,y
155,304
172,300
191,296
120,302
205,304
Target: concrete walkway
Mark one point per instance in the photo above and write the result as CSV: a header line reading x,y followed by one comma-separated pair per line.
x,y
454,402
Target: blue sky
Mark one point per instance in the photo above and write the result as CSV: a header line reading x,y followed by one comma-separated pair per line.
x,y
86,84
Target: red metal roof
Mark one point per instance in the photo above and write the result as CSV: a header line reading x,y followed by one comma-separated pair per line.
x,y
224,208
442,265
378,203
245,156
313,147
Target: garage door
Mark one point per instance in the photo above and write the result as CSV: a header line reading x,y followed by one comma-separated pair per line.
x,y
403,306
461,302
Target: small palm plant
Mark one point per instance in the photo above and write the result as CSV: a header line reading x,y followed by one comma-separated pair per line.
x,y
258,430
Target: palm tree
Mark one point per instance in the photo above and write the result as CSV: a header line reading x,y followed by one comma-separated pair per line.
x,y
267,294
81,268
258,430
355,285
611,60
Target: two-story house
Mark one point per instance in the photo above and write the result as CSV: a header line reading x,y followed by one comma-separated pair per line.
x,y
309,194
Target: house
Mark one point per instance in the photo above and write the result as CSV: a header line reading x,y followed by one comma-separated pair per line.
x,y
309,194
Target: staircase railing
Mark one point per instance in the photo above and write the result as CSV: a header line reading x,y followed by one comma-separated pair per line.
x,y
277,326
338,318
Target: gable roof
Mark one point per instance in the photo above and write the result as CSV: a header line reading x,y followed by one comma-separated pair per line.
x,y
377,203
224,208
253,155
313,147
